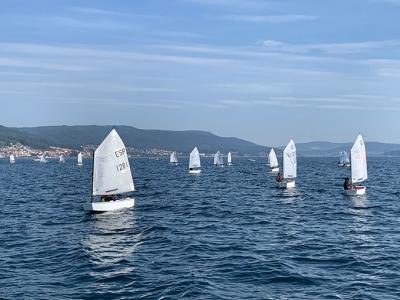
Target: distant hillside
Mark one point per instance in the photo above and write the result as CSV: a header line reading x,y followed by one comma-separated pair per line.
x,y
11,135
393,153
333,149
183,141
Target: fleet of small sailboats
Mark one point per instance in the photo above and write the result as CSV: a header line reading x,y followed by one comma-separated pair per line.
x,y
173,159
343,159
80,159
359,172
194,162
289,167
273,161
111,176
218,159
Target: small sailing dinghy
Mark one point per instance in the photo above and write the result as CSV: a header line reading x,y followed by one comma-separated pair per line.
x,y
194,162
343,159
80,160
61,159
218,159
289,167
173,159
229,163
42,159
359,173
12,159
111,176
273,161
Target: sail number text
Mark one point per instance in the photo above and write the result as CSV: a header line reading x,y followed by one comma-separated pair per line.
x,y
120,152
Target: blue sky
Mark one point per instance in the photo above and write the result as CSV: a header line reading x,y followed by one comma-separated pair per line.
x,y
265,71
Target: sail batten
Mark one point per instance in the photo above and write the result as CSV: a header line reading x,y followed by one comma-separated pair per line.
x,y
111,169
358,155
194,161
272,159
290,161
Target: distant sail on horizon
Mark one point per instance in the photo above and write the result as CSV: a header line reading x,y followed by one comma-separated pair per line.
x,y
173,159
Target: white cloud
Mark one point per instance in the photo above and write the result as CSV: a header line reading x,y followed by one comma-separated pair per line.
x,y
269,18
330,48
251,4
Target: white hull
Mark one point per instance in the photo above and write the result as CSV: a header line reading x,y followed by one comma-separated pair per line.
x,y
197,171
286,184
109,206
12,162
80,164
356,191
275,170
229,164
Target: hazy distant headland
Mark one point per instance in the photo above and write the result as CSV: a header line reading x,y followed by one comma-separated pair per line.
x,y
161,142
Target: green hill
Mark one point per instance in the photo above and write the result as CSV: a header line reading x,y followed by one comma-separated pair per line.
x,y
183,141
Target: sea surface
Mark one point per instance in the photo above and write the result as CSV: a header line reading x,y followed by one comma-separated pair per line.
x,y
227,233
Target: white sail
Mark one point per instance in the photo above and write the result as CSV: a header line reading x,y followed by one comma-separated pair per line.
x,y
358,161
111,170
80,161
61,159
290,161
12,159
42,159
343,159
194,161
272,159
218,160
173,159
229,158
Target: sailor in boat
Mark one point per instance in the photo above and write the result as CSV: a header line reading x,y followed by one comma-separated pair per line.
x,y
279,178
347,184
109,198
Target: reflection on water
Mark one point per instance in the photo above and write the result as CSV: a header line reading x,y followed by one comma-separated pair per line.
x,y
359,210
111,239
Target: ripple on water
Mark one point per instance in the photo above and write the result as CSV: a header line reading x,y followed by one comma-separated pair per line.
x,y
226,234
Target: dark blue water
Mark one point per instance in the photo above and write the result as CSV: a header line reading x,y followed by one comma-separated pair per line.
x,y
226,234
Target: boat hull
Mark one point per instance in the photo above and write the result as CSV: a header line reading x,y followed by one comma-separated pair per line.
x,y
197,171
275,170
286,184
356,191
100,207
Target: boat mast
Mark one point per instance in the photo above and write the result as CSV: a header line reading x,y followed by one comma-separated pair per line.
x,y
91,193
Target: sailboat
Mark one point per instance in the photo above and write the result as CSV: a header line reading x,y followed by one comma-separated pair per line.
x,y
229,159
218,160
289,167
12,159
173,159
42,159
61,159
111,176
359,173
194,162
80,161
343,159
273,161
